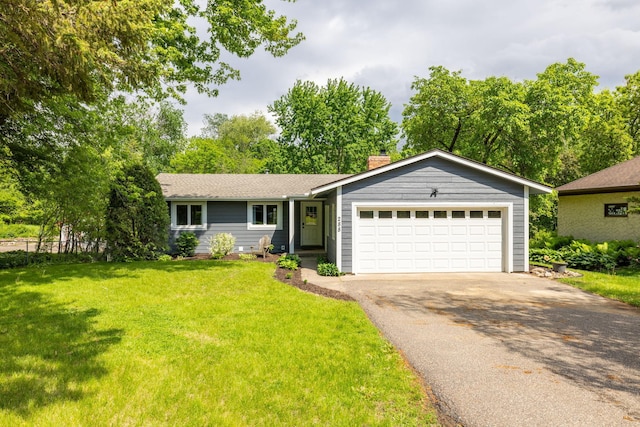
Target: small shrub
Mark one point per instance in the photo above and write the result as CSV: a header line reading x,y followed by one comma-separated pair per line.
x,y
247,257
328,269
289,261
21,258
544,255
288,276
221,244
186,244
164,258
593,261
289,264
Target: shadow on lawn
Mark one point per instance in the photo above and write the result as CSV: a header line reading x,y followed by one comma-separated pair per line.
x,y
47,351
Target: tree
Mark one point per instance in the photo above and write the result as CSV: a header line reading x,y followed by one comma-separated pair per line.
x,y
237,144
137,219
437,114
628,101
87,49
520,127
604,140
142,129
330,129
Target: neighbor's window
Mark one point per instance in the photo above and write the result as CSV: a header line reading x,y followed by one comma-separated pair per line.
x,y
439,214
457,214
495,214
188,215
384,214
616,209
403,214
422,214
475,214
264,215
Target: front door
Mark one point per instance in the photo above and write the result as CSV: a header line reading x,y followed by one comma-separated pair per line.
x,y
310,223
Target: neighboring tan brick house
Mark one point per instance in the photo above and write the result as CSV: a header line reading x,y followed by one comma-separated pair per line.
x,y
595,207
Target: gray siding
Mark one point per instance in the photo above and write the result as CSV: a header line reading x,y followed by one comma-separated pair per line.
x,y
455,183
231,217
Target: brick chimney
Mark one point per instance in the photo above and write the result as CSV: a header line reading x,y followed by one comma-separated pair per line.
x,y
380,160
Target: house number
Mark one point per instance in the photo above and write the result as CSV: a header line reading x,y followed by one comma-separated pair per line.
x,y
615,209
339,223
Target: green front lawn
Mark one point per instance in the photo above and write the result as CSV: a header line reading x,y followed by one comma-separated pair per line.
x,y
191,343
624,285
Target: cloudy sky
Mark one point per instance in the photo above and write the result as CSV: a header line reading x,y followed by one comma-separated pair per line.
x,y
384,44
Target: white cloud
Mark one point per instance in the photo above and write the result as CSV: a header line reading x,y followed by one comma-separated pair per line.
x,y
384,45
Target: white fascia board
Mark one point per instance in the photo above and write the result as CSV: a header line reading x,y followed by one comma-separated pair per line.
x,y
433,153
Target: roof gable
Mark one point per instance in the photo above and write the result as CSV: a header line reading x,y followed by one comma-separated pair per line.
x,y
624,176
535,187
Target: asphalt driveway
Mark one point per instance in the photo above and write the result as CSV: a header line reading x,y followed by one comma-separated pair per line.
x,y
510,349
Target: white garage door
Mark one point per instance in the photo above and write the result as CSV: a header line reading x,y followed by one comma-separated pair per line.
x,y
398,240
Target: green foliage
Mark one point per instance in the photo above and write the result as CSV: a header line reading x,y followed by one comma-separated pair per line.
x,y
186,244
247,257
221,245
583,255
544,255
522,127
240,144
328,269
289,261
330,129
90,49
11,231
288,264
13,259
549,239
137,220
543,212
165,258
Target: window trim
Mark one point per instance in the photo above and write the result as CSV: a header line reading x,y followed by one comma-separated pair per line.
x,y
264,204
189,204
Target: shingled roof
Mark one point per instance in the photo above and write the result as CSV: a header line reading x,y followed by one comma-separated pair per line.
x,y
624,176
240,186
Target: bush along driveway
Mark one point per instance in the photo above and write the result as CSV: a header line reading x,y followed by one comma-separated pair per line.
x,y
511,349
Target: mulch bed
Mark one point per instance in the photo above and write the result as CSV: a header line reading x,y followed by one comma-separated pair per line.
x,y
292,278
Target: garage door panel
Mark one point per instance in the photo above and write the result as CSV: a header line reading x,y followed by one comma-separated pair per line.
x,y
422,230
422,247
392,244
406,248
404,230
441,230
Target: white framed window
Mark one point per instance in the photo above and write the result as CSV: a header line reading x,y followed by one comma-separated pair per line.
x,y
264,215
188,215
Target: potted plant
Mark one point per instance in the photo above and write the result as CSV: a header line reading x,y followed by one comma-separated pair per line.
x,y
559,266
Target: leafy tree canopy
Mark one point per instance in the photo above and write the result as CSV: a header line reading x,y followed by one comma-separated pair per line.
x,y
522,127
87,49
237,144
330,129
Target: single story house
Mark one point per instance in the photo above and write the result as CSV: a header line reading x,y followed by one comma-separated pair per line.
x,y
434,212
595,207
